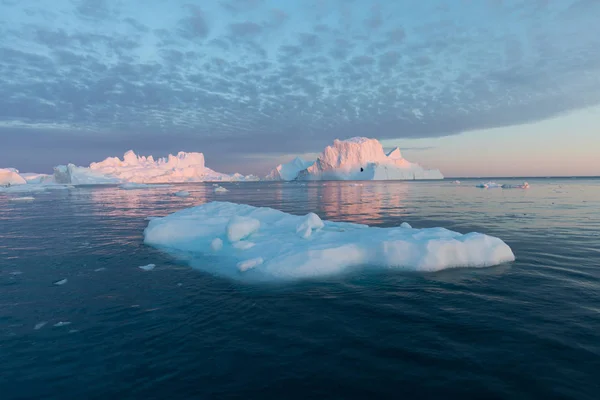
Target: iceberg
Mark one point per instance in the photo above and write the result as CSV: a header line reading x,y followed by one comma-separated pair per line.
x,y
264,244
180,168
359,158
73,175
10,177
288,171
134,170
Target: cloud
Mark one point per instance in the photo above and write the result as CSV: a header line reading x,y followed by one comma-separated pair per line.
x,y
238,77
245,29
194,26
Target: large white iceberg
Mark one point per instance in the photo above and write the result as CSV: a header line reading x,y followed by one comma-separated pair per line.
x,y
266,244
180,168
358,158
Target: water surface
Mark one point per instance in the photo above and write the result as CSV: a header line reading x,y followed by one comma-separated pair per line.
x,y
527,329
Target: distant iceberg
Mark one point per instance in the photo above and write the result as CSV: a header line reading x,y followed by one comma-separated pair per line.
x,y
489,185
266,244
494,185
358,158
132,170
180,168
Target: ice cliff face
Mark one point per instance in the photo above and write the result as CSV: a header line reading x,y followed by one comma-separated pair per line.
x,y
357,158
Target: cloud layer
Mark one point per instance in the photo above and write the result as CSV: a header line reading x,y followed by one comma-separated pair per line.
x,y
260,76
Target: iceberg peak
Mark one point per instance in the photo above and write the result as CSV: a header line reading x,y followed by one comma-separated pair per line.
x,y
361,158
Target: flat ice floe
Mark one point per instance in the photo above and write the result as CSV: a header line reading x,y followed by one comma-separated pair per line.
x,y
266,244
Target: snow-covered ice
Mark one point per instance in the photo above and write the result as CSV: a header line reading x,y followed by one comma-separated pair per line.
x,y
240,227
245,265
148,267
216,244
287,250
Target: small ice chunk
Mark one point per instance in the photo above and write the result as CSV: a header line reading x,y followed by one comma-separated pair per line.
x,y
243,245
148,267
220,189
215,184
40,325
310,222
244,266
241,227
100,269
216,244
456,182
62,323
16,273
61,282
181,193
25,198
405,225
489,185
180,284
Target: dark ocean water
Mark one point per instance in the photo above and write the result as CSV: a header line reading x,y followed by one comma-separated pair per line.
x,y
524,330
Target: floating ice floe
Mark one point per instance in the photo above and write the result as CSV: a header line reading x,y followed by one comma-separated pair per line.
x,y
456,182
524,185
62,323
60,282
40,325
181,193
285,246
494,185
148,267
489,185
220,189
25,198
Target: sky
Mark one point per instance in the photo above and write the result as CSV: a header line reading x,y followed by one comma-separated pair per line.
x,y
473,87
